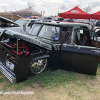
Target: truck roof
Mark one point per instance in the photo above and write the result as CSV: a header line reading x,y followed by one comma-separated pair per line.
x,y
64,24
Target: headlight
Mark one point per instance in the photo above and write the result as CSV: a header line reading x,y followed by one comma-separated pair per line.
x,y
11,66
7,63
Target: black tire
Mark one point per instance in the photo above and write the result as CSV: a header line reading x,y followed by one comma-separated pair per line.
x,y
38,66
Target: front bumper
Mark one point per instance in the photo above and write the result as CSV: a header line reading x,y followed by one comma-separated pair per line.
x,y
9,74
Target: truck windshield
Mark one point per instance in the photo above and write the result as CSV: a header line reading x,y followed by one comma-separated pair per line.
x,y
35,29
50,32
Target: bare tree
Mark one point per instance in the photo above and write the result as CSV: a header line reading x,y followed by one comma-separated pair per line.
x,y
30,5
87,9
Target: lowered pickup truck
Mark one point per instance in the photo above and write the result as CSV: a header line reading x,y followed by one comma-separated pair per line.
x,y
64,45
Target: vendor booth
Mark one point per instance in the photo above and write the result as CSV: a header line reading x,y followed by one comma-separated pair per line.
x,y
75,13
96,15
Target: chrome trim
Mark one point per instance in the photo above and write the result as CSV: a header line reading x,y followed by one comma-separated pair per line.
x,y
6,72
97,51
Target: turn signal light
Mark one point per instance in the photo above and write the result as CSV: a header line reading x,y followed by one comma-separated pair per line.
x,y
12,57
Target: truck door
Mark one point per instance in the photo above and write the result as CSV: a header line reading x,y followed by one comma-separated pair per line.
x,y
77,53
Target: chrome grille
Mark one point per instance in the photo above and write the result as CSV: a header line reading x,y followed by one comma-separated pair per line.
x,y
11,76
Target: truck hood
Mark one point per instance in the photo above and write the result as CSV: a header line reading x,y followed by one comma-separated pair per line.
x,y
16,29
30,39
5,20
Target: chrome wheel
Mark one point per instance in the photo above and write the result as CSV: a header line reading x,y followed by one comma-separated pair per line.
x,y
38,66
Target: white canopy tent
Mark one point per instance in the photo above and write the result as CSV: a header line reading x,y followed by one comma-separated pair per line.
x,y
9,15
17,14
27,12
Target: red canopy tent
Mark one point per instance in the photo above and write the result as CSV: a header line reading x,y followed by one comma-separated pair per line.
x,y
96,15
75,13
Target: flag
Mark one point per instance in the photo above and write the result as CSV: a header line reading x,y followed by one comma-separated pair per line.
x,y
43,12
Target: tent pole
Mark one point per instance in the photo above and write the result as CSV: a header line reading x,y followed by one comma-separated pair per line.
x,y
90,24
12,16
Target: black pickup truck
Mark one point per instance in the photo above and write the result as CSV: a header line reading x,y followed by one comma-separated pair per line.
x,y
60,45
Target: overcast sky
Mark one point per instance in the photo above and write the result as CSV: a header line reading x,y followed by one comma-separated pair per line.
x,y
51,7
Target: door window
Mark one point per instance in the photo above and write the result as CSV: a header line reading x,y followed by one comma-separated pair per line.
x,y
66,35
79,36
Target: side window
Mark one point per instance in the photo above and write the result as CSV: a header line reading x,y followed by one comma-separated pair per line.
x,y
66,35
68,41
76,36
82,37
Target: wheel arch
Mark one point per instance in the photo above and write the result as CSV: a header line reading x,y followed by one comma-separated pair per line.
x,y
40,57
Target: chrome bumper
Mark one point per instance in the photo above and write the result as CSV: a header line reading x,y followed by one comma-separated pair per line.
x,y
10,75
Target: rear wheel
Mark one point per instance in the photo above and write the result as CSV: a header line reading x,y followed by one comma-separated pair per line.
x,y
38,66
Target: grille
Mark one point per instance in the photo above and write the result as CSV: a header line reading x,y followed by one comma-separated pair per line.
x,y
11,76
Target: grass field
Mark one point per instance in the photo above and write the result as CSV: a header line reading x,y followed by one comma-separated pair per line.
x,y
54,85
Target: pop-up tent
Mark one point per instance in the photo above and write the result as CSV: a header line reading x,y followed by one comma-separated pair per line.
x,y
27,12
75,13
96,15
9,15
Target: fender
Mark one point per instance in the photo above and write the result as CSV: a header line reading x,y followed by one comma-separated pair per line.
x,y
22,72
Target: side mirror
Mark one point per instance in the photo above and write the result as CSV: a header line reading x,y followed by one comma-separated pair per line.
x,y
24,27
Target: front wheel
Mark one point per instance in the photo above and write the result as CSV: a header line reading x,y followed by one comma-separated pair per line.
x,y
38,66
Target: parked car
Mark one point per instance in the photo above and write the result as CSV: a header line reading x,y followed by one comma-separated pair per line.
x,y
46,19
59,19
98,23
26,22
34,17
97,30
18,25
60,45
